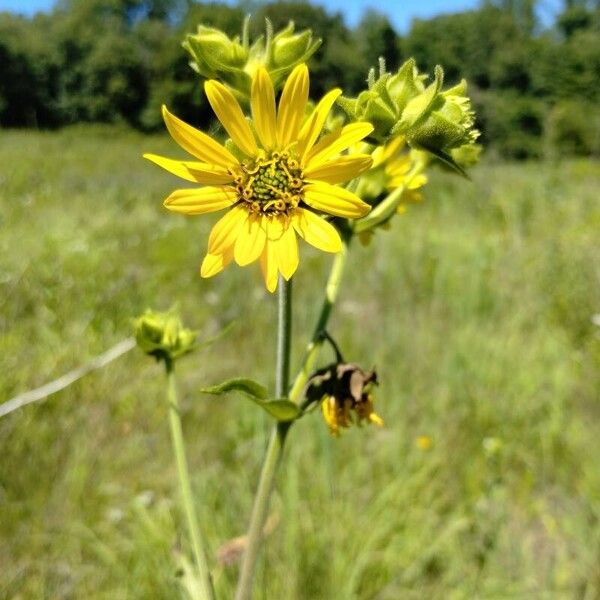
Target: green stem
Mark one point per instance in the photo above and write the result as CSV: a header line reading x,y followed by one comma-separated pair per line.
x,y
206,588
284,338
275,447
316,342
278,436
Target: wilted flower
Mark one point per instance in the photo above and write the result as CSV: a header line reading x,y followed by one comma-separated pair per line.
x,y
283,181
345,392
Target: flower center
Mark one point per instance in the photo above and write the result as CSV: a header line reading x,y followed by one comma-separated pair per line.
x,y
271,185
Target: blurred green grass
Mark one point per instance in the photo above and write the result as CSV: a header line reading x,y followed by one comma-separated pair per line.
x,y
476,308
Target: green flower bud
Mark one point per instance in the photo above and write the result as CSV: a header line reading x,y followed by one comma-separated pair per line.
x,y
387,98
216,56
162,335
213,52
431,119
449,124
289,49
420,105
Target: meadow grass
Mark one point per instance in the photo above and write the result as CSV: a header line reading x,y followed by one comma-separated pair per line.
x,y
476,309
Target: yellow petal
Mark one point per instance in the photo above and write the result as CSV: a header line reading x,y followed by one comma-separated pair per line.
x,y
399,166
312,128
215,263
340,169
286,252
197,143
201,200
268,266
316,231
225,231
329,146
417,182
263,108
334,200
230,114
250,241
292,106
192,171
276,227
393,147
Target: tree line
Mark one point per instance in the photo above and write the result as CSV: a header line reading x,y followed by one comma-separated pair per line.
x,y
536,88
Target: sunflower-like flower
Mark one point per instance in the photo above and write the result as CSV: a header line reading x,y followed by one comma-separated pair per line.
x,y
283,181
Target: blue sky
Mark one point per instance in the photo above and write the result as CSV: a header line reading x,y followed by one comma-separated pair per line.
x,y
400,11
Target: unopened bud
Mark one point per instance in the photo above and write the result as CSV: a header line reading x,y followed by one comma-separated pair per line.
x,y
217,56
289,49
214,52
162,335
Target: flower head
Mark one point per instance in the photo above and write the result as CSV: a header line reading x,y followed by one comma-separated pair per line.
x,y
284,179
234,61
346,395
162,335
395,167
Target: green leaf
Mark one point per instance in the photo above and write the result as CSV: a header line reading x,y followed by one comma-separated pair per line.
x,y
244,385
446,159
282,410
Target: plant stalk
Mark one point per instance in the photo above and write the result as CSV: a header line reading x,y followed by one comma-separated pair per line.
x,y
278,436
316,342
206,587
275,447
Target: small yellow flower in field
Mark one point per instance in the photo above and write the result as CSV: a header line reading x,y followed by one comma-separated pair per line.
x,y
424,442
346,395
284,181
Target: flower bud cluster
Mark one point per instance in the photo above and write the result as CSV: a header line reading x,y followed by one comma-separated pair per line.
x,y
234,61
162,335
402,104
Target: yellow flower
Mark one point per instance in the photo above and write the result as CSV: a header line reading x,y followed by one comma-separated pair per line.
x,y
423,442
398,166
286,178
394,166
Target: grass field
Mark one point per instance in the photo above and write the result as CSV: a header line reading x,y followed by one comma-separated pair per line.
x,y
476,309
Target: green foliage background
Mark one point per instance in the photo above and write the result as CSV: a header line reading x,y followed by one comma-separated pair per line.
x,y
476,308
536,89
